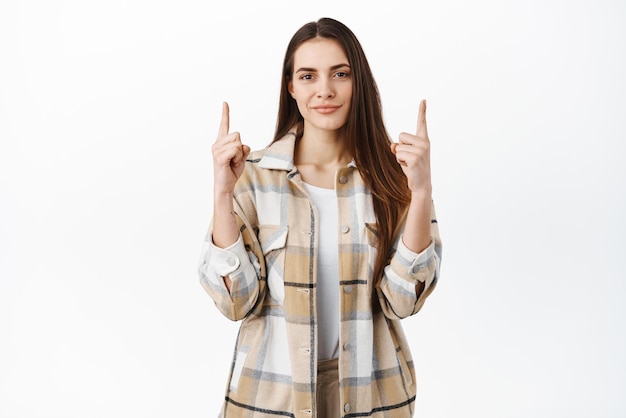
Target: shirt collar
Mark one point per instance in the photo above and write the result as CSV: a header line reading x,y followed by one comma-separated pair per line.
x,y
279,155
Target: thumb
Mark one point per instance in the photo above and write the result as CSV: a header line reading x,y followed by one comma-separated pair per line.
x,y
246,151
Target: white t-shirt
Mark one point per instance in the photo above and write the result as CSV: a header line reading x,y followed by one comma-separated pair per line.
x,y
325,200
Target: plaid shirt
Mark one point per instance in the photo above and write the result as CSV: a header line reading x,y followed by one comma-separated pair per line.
x,y
273,270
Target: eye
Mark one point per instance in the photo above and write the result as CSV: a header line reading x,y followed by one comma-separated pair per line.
x,y
342,74
306,77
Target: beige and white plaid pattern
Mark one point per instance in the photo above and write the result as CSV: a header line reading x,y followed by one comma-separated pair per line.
x,y
273,269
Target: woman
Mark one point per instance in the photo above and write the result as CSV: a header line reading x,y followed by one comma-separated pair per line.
x,y
321,242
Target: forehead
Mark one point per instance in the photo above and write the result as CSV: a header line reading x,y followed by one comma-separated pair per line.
x,y
319,53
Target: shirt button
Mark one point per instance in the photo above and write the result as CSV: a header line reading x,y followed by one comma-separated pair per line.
x,y
345,229
347,289
343,179
346,408
231,261
346,347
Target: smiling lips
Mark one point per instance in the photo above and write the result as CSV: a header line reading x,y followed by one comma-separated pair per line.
x,y
325,109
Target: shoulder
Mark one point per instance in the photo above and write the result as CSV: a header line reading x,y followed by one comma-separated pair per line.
x,y
256,156
277,156
269,165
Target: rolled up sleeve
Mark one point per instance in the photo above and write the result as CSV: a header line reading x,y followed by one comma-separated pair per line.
x,y
397,292
240,266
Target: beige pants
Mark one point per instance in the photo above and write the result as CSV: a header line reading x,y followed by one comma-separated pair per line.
x,y
328,390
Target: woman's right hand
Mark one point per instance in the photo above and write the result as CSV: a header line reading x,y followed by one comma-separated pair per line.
x,y
229,156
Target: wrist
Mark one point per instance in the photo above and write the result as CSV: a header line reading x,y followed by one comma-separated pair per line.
x,y
223,204
423,192
219,194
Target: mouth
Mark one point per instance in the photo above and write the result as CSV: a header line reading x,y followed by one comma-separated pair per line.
x,y
325,109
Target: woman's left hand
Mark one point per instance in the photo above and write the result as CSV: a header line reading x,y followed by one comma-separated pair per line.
x,y
413,154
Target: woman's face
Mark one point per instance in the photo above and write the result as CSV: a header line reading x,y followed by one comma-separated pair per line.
x,y
322,84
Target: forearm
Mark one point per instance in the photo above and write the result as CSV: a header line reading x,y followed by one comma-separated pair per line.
x,y
225,228
417,232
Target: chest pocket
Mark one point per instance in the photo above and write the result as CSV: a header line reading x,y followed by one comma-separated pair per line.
x,y
371,232
273,240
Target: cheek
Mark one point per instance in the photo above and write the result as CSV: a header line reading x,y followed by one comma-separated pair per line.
x,y
347,92
348,95
301,105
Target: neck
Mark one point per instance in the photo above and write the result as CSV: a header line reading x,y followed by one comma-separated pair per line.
x,y
323,148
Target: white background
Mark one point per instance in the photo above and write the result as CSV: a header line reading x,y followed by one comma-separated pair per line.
x,y
107,113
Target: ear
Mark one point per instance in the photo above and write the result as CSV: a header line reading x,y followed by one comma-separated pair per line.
x,y
290,88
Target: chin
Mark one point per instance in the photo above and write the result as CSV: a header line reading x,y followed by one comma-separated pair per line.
x,y
329,125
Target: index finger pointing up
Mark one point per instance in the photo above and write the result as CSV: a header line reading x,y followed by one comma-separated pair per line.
x,y
225,122
421,120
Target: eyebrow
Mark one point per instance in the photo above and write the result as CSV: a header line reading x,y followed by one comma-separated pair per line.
x,y
312,70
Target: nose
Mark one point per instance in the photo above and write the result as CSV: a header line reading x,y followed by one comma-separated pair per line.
x,y
325,89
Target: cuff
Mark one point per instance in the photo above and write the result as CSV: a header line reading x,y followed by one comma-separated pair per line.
x,y
226,260
416,261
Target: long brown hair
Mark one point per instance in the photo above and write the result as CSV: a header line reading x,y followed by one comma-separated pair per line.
x,y
367,139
